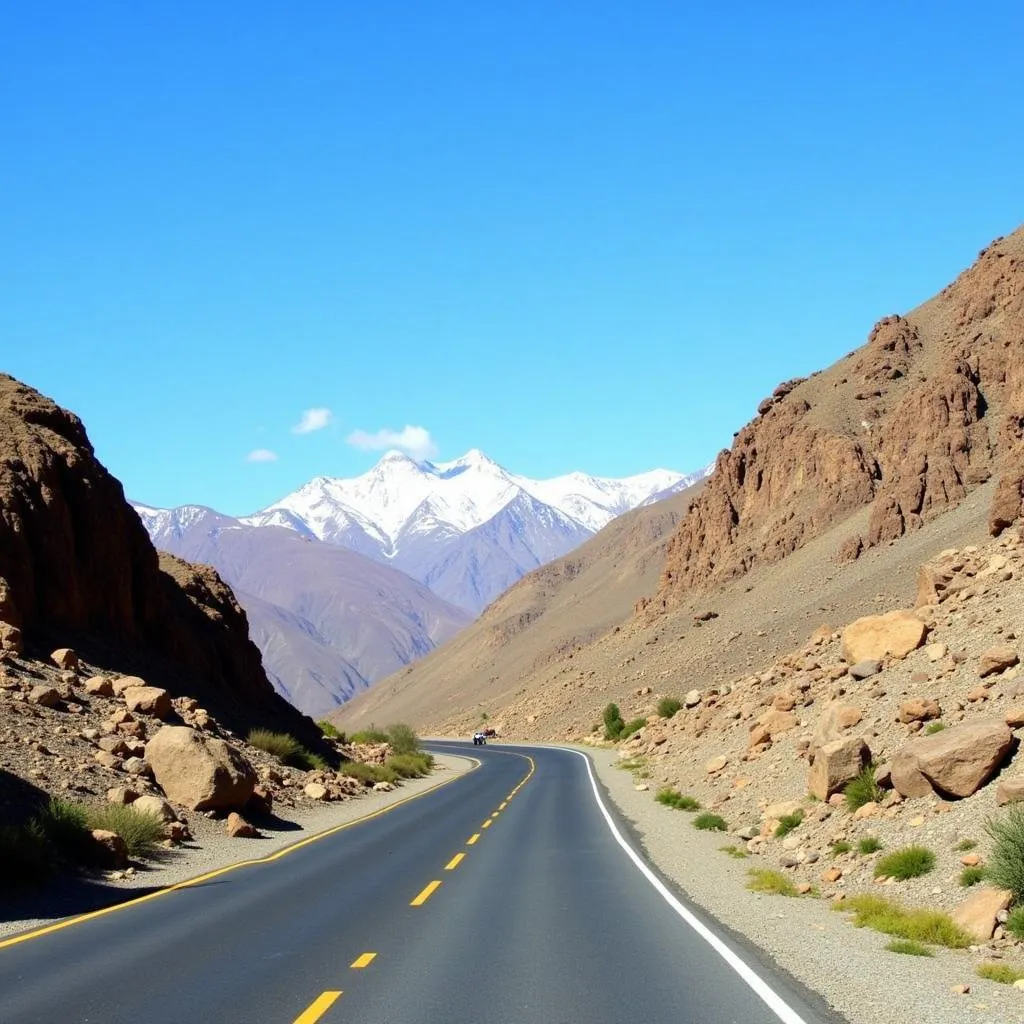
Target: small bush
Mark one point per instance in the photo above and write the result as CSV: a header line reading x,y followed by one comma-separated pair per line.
x,y
840,848
869,845
863,789
908,862
287,749
933,727
632,726
613,723
680,801
26,858
368,774
65,827
972,875
141,832
402,739
736,852
668,706
330,730
769,881
370,735
1006,861
710,823
908,946
1015,922
787,823
1002,973
410,766
965,845
928,926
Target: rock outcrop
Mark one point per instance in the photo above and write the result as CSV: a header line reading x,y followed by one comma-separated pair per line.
x,y
77,566
930,407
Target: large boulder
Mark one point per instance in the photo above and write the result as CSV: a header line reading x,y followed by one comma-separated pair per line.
x,y
978,915
955,762
148,700
199,772
875,637
835,764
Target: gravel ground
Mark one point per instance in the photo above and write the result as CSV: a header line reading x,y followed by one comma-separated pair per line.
x,y
213,848
848,966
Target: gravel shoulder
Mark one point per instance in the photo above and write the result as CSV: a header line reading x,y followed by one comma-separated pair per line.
x,y
848,966
211,850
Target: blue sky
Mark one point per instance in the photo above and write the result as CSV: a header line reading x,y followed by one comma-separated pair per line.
x,y
589,237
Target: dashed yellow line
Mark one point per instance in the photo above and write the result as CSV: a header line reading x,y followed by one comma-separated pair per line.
x,y
317,1008
471,841
425,894
454,862
364,961
486,824
503,805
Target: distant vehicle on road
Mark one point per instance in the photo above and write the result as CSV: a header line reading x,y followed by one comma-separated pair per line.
x,y
479,739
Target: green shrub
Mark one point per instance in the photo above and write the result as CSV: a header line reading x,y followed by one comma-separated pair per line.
x,y
710,823
141,832
680,801
632,726
840,848
869,845
908,862
402,739
908,946
287,749
668,706
769,881
368,774
972,875
26,858
1006,861
370,735
1015,922
929,926
965,845
65,827
1002,973
787,823
330,730
410,766
736,852
863,789
933,727
613,723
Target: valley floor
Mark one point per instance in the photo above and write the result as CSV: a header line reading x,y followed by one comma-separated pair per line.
x,y
846,965
210,850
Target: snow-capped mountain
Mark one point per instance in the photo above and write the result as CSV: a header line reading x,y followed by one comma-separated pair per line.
x,y
428,519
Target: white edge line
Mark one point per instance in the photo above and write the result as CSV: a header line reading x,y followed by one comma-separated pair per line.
x,y
764,991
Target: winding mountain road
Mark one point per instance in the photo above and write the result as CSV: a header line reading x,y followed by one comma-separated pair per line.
x,y
508,896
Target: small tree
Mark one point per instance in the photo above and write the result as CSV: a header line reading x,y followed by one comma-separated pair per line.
x,y
613,723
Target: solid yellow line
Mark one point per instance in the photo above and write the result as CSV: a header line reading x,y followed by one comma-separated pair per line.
x,y
471,841
486,824
364,961
317,1008
81,918
454,862
426,894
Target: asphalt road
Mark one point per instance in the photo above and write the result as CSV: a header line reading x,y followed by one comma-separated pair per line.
x,y
504,897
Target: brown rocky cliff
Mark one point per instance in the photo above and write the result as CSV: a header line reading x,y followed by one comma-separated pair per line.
x,y
929,408
77,567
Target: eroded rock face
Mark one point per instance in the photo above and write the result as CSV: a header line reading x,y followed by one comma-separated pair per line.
x,y
955,762
902,425
199,772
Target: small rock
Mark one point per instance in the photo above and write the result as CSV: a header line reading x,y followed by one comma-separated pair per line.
x,y
936,652
239,828
121,795
831,875
716,764
65,658
865,669
997,659
970,860
155,805
99,686
110,849
315,791
148,700
44,695
960,990
692,698
977,914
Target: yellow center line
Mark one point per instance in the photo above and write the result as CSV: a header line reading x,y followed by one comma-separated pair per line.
x,y
454,862
471,841
364,961
317,1008
426,894
503,805
486,824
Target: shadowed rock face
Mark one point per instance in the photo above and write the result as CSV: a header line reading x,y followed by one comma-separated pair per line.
x,y
77,566
929,408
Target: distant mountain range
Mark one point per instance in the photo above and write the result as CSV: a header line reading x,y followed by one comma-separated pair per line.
x,y
347,580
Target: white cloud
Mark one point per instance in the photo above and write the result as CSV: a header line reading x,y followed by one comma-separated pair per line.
x,y
261,455
313,419
415,441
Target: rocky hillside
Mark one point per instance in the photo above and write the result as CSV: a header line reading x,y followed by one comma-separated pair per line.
x,y
930,408
77,569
